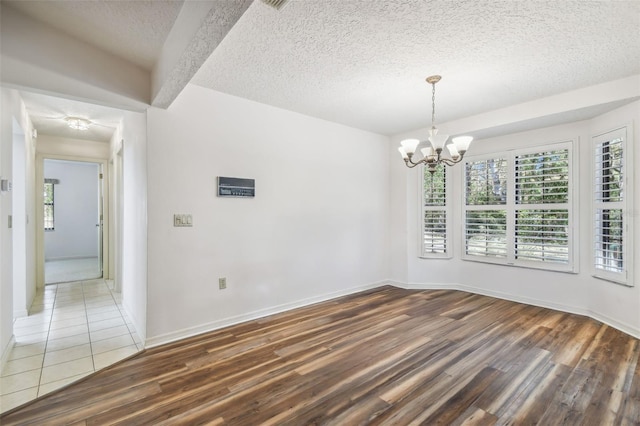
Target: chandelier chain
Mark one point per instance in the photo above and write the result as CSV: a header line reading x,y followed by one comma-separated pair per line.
x,y
433,105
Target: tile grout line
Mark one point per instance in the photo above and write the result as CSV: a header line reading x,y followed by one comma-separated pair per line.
x,y
124,319
122,316
46,343
20,372
86,315
57,294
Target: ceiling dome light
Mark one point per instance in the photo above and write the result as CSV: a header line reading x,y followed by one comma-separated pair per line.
x,y
78,123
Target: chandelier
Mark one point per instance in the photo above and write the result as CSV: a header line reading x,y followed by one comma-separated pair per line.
x,y
433,155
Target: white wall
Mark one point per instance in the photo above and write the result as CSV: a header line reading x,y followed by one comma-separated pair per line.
x,y
132,137
57,146
11,107
615,304
23,220
317,228
76,210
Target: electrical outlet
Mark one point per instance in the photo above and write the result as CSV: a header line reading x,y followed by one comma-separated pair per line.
x,y
222,283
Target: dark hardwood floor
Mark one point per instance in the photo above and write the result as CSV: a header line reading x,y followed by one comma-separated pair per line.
x,y
383,357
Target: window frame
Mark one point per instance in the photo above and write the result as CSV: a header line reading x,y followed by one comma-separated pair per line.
x,y
447,208
511,207
625,205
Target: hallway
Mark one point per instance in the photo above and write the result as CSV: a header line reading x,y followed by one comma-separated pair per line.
x,y
74,329
67,270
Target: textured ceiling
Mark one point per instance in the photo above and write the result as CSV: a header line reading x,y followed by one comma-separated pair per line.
x,y
134,30
363,62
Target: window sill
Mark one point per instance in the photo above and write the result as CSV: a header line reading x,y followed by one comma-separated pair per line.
x,y
565,269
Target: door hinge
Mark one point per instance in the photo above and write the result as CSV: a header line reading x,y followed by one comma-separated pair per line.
x,y
100,175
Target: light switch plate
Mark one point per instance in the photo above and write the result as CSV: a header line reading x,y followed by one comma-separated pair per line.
x,y
182,220
5,185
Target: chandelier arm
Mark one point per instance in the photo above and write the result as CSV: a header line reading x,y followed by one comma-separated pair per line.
x,y
448,162
411,164
451,161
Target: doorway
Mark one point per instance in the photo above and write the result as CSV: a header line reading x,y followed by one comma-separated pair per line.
x,y
73,220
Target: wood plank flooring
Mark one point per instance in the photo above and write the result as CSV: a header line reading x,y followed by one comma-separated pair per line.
x,y
383,357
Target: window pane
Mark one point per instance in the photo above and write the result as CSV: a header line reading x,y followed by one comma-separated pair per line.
x,y
48,193
435,187
608,241
48,207
542,235
609,171
486,182
435,231
486,233
542,177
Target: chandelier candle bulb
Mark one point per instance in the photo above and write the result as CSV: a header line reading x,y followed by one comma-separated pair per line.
x,y
409,146
462,142
402,152
438,141
453,151
429,154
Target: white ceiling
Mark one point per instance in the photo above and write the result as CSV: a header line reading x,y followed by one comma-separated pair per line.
x,y
48,117
133,30
363,62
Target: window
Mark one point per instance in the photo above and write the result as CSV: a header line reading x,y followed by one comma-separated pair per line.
x,y
486,214
48,205
435,241
542,206
517,208
612,245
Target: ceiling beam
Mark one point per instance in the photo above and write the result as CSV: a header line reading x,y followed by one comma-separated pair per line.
x,y
567,107
198,30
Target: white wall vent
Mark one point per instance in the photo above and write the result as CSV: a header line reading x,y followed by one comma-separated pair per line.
x,y
276,4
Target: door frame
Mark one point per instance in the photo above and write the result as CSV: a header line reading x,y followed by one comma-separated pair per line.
x,y
40,157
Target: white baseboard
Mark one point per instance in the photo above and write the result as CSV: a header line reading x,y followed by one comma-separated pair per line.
x,y
136,327
6,351
19,313
225,322
612,322
49,259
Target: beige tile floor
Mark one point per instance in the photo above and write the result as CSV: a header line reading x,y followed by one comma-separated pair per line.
x,y
66,270
73,330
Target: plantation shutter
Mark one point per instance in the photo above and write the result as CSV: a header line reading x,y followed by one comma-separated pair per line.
x,y
435,212
542,213
609,205
485,216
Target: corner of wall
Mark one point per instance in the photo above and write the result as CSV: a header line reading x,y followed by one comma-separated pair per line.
x,y
6,351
